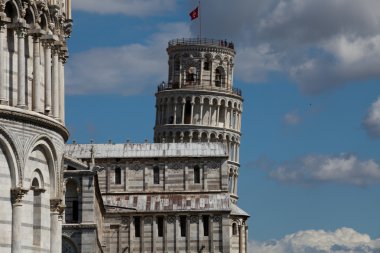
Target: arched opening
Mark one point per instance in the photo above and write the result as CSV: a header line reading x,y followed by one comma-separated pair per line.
x,y
117,175
72,202
156,175
234,229
37,205
222,114
191,75
29,17
10,11
219,77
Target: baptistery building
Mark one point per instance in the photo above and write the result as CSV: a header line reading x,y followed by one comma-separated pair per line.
x,y
33,52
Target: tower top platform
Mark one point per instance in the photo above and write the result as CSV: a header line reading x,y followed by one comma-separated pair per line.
x,y
202,42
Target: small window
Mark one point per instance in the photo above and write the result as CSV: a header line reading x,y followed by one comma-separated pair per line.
x,y
160,226
206,65
117,175
234,229
156,175
137,225
205,219
182,222
197,174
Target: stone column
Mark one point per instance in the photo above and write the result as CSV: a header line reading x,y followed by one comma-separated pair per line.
x,y
175,113
217,115
62,61
21,98
201,114
154,232
192,112
3,90
47,49
241,238
188,234
183,112
56,211
246,238
17,236
210,115
36,106
55,85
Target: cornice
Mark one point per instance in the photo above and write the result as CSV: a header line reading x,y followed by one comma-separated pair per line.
x,y
33,118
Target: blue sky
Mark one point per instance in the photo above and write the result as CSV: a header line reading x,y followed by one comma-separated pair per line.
x,y
309,71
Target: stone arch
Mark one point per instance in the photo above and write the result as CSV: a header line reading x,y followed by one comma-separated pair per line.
x,y
29,16
220,77
11,10
37,175
68,245
47,147
11,154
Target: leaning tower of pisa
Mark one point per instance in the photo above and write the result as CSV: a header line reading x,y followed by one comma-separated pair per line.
x,y
199,102
33,51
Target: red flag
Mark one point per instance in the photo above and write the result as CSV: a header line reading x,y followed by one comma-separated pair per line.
x,y
194,14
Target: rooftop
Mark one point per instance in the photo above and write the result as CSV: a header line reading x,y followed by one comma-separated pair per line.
x,y
137,150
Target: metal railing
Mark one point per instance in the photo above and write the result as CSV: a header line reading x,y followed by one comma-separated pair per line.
x,y
173,86
201,41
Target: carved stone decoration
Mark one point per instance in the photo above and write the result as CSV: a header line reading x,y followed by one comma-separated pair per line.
x,y
176,166
194,219
148,220
171,219
17,195
2,5
57,206
136,167
212,165
217,218
125,220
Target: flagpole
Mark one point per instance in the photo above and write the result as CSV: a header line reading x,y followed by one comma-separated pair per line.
x,y
200,21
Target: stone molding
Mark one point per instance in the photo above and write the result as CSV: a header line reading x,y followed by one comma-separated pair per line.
x,y
32,118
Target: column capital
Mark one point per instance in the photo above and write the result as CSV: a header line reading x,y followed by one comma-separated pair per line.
x,y
56,206
21,31
17,194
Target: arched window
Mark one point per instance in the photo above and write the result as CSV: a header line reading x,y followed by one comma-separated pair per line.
x,y
234,229
197,174
156,175
206,65
191,75
71,202
219,77
117,175
36,212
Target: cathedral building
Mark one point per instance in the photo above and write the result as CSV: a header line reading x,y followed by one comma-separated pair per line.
x,y
178,194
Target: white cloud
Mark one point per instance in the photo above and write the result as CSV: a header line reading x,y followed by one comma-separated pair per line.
x,y
127,70
128,7
372,121
316,169
320,44
292,118
343,240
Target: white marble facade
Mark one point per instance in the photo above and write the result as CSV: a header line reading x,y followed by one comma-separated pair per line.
x,y
32,133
